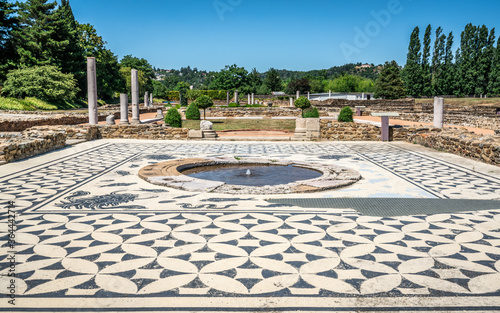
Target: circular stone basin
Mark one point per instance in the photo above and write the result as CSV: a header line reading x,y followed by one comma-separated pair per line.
x,y
253,174
172,174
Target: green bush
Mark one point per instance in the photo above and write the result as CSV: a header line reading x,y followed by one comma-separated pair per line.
x,y
345,115
173,118
193,112
311,112
46,83
302,103
204,102
233,105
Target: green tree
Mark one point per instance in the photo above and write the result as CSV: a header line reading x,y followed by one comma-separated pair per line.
x,y
468,61
273,80
426,69
140,64
254,81
182,87
7,22
484,59
412,72
204,102
46,83
111,77
34,39
302,85
389,84
447,73
230,78
494,81
437,62
126,73
70,56
302,103
159,90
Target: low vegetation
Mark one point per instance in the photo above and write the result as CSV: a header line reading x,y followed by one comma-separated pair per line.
x,y
237,124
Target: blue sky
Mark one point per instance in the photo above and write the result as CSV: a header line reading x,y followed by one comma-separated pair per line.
x,y
294,35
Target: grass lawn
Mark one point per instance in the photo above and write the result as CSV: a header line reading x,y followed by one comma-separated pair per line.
x,y
237,124
464,101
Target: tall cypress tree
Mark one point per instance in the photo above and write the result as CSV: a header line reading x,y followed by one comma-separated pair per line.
x,y
494,79
412,73
457,86
69,55
426,69
437,60
484,58
447,72
34,38
468,62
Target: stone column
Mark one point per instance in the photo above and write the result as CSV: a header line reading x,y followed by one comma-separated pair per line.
x,y
438,112
363,96
291,101
236,96
253,99
329,93
298,94
92,91
249,99
385,128
227,98
308,95
135,98
124,109
146,100
151,99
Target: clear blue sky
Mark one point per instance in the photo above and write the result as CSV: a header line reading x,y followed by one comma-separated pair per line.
x,y
294,35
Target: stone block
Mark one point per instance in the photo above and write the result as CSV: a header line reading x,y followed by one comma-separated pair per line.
x,y
193,133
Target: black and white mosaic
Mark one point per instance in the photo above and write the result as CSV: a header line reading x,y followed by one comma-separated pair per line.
x,y
90,234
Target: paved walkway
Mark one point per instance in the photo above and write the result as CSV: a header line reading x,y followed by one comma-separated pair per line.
x,y
92,236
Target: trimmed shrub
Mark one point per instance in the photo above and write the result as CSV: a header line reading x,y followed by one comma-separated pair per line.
x,y
233,105
193,112
302,103
173,118
204,102
345,115
47,83
311,112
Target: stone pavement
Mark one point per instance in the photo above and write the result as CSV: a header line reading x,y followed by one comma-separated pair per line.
x,y
92,236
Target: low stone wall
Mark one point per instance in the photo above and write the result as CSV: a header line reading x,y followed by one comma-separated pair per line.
x,y
50,118
143,131
455,119
332,130
461,142
28,146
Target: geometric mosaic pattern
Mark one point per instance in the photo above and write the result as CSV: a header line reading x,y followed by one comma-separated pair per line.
x,y
99,251
228,254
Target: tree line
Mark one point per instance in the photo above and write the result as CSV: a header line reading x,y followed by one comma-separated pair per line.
x,y
472,70
38,38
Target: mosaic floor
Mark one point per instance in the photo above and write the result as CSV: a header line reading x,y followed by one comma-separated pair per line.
x,y
81,232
